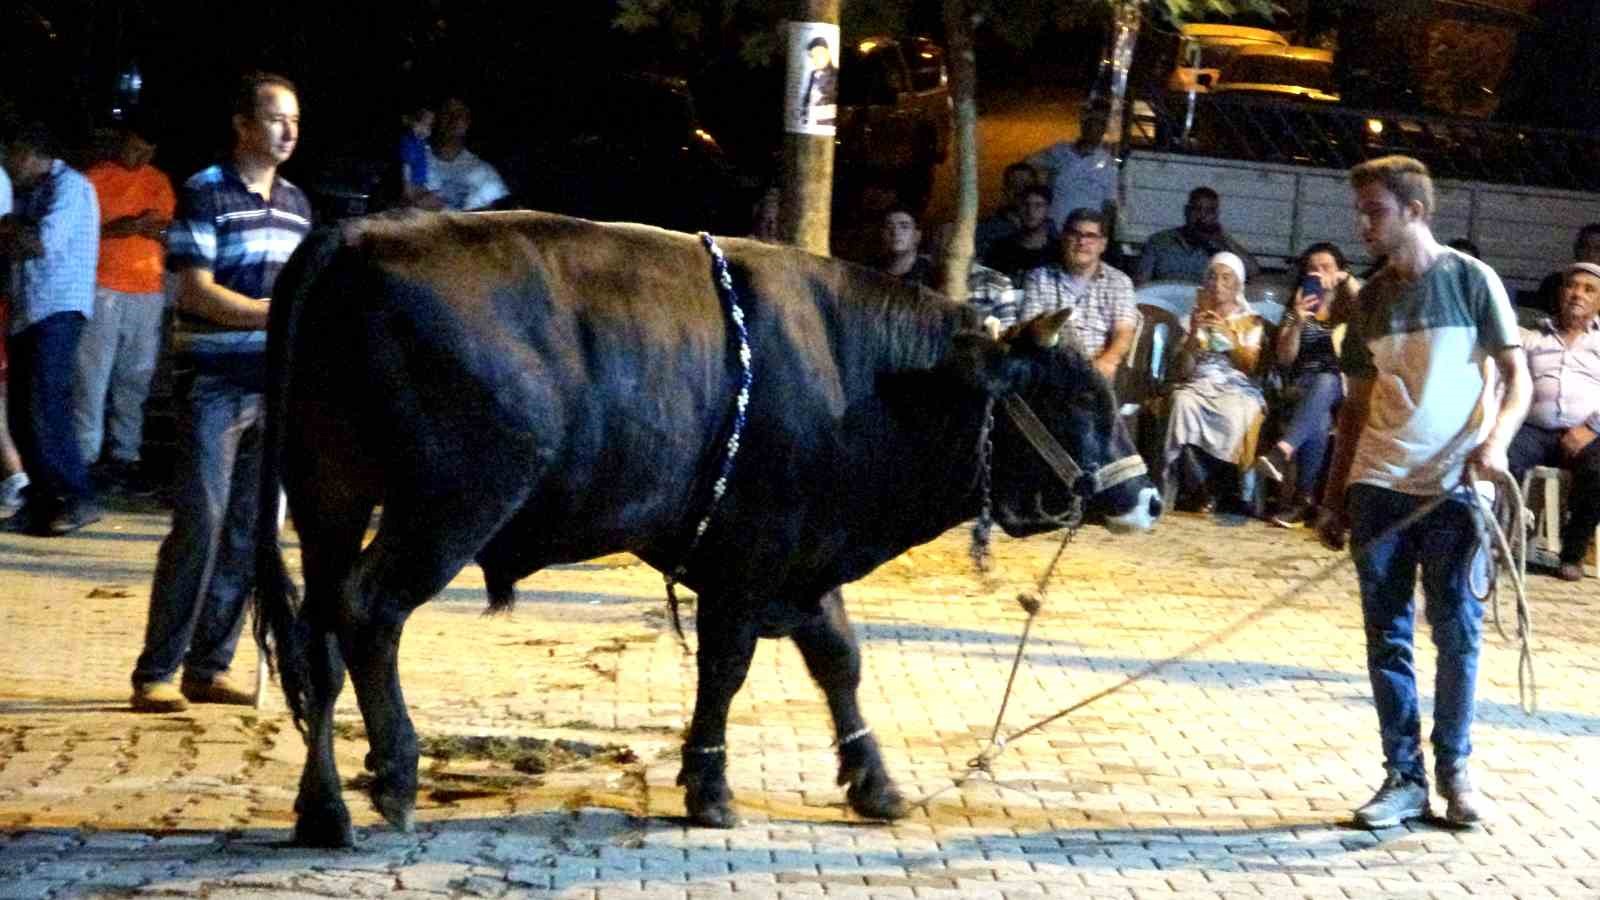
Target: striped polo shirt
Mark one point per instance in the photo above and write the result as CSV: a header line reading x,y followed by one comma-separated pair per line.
x,y
244,240
1426,345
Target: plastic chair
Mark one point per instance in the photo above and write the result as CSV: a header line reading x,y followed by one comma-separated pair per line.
x,y
1531,318
1176,297
1546,540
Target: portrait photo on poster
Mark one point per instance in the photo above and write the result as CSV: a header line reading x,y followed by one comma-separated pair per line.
x,y
812,101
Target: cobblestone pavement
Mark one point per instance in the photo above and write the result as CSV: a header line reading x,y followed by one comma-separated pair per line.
x,y
1227,774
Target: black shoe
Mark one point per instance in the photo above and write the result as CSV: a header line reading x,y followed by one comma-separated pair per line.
x,y
1296,516
26,520
74,515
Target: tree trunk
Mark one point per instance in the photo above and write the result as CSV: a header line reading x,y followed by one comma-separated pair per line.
x,y
959,21
803,217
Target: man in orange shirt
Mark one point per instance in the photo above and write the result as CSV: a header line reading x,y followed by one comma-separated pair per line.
x,y
117,354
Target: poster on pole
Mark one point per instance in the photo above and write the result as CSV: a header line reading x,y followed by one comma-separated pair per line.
x,y
811,100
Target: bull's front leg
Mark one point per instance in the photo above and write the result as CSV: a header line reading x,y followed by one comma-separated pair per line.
x,y
829,647
726,645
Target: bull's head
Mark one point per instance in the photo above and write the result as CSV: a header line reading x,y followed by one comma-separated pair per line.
x,y
1075,407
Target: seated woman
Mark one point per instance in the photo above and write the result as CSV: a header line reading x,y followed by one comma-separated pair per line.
x,y
1216,409
1306,352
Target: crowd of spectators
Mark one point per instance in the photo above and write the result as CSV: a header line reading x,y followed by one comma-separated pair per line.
x,y
1246,412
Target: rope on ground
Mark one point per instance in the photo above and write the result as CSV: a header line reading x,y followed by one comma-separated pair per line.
x,y
1490,533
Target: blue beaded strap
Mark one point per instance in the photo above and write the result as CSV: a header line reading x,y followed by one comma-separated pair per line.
x,y
724,282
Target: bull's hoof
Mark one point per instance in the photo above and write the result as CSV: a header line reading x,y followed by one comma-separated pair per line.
x,y
399,811
708,803
327,831
874,798
715,815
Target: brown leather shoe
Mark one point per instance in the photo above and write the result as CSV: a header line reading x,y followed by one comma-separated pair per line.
x,y
1463,805
219,689
1570,572
158,697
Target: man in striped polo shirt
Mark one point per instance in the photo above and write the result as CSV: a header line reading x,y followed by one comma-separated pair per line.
x,y
236,224
1437,386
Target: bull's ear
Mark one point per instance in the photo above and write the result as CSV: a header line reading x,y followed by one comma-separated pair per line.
x,y
1043,331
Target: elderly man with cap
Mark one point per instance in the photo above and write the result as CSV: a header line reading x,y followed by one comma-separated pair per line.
x,y
1564,360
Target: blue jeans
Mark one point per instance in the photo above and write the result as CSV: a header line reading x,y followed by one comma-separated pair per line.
x,y
205,570
116,360
1308,428
40,411
1445,544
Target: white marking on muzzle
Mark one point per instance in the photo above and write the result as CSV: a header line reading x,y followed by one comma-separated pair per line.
x,y
1140,518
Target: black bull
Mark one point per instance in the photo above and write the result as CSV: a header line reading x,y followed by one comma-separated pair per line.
x,y
523,390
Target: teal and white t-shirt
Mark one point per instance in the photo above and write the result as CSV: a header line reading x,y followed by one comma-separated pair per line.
x,y
1426,346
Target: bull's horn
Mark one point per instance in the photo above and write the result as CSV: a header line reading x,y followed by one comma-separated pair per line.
x,y
1045,331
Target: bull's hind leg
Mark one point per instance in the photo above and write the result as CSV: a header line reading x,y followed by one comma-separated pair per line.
x,y
422,544
829,647
726,645
330,541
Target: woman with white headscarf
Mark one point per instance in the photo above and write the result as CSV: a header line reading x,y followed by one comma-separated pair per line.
x,y
1216,409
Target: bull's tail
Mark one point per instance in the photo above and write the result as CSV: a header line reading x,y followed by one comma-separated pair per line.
x,y
282,632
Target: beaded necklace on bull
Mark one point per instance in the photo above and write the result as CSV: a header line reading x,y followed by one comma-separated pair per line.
x,y
741,405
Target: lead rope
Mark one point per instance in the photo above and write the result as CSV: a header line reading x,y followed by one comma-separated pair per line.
x,y
725,291
1513,556
982,765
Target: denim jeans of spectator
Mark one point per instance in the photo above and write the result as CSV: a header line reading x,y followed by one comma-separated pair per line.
x,y
1444,544
205,570
116,360
39,411
1309,426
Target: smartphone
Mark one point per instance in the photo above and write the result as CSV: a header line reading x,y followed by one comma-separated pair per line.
x,y
1311,286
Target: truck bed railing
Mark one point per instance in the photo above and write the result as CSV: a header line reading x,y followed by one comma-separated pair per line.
x,y
1336,137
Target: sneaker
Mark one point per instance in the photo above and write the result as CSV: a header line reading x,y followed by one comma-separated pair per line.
x,y
11,493
158,697
1463,805
1296,516
1399,800
218,689
1273,463
74,515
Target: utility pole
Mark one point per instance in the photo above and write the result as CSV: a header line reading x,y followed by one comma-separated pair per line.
x,y
813,51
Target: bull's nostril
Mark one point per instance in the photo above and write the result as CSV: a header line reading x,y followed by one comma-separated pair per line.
x,y
1155,507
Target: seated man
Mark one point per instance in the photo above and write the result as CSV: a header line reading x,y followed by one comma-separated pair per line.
x,y
1564,361
1005,221
901,239
1585,248
1183,253
1032,245
1105,316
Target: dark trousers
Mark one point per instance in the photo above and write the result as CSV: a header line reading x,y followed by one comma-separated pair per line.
x,y
1535,446
43,365
205,570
